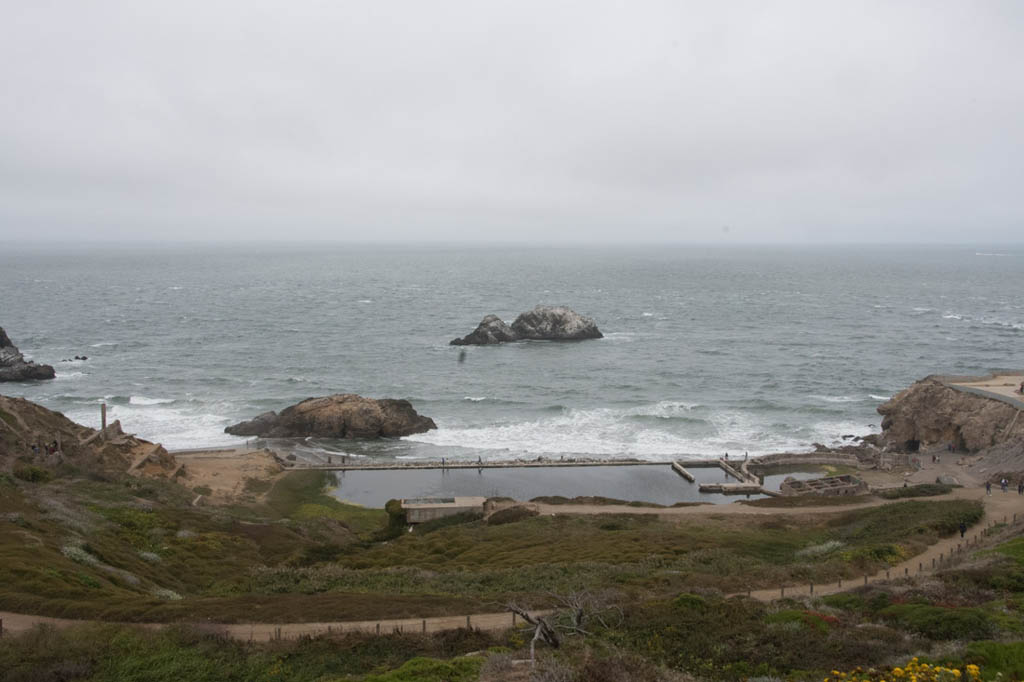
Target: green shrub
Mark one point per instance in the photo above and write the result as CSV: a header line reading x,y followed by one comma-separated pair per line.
x,y
319,553
257,486
937,622
690,602
447,521
1013,549
845,601
1006,657
431,670
804,619
32,474
920,490
511,515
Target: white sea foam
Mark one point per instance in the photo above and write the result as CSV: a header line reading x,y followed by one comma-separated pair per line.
x,y
172,427
996,255
475,399
104,344
837,398
143,400
880,397
952,316
615,433
648,314
68,376
1003,323
665,408
923,310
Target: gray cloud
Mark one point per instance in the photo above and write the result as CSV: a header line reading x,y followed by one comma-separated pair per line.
x,y
606,121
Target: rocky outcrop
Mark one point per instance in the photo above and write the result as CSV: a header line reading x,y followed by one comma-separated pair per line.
x,y
930,414
543,323
30,433
338,416
492,329
13,366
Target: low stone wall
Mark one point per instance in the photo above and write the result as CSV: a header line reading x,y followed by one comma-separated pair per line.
x,y
788,459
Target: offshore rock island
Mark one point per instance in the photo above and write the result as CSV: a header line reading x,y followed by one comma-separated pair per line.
x,y
543,323
338,416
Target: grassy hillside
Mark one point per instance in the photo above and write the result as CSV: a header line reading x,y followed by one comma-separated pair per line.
x,y
92,545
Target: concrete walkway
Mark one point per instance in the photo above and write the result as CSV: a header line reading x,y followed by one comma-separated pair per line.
x,y
1003,387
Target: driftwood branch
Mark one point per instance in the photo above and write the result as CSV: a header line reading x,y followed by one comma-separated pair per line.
x,y
582,606
542,629
575,610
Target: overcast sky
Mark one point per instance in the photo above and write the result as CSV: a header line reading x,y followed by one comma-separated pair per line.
x,y
758,121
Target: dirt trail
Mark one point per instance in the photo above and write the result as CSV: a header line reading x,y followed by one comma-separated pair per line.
x,y
17,622
999,506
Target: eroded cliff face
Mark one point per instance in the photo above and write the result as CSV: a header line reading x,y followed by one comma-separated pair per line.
x,y
14,367
29,431
931,414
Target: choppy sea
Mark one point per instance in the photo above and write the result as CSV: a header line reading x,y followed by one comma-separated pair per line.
x,y
707,349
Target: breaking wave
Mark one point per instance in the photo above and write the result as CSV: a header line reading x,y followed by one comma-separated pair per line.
x,y
658,431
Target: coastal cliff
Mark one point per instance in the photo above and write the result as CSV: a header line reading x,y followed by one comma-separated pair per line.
x,y
14,367
338,416
32,434
932,412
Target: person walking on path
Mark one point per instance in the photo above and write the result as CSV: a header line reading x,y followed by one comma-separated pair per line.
x,y
963,528
1020,487
1002,484
988,487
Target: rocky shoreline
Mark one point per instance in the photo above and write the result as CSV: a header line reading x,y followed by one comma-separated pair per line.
x,y
14,367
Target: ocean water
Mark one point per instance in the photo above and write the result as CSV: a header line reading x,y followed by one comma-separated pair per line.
x,y
706,350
